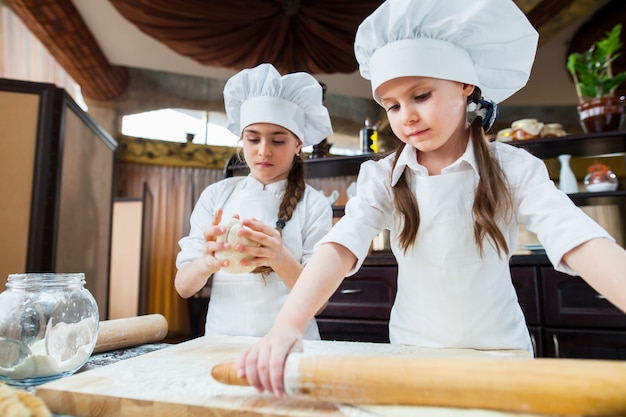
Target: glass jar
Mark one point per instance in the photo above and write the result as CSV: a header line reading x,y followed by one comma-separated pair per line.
x,y
600,178
48,327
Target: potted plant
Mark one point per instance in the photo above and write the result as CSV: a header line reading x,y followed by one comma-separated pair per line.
x,y
600,110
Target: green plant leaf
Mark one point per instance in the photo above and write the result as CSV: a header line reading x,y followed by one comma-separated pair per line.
x,y
611,43
591,69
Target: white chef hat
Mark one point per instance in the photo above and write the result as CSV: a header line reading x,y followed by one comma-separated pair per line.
x,y
293,101
487,43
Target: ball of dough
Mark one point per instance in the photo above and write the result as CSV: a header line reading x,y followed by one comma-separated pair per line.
x,y
232,227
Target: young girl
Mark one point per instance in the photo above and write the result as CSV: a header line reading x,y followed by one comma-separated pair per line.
x,y
274,116
452,201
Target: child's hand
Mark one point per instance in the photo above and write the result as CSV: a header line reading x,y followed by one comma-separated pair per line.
x,y
263,364
270,244
211,245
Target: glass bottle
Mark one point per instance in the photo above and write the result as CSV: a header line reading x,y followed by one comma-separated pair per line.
x,y
567,180
48,327
369,137
600,178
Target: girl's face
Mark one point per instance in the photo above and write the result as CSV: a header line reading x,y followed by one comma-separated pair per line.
x,y
427,113
269,150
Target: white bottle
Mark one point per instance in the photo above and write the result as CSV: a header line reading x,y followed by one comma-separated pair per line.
x,y
567,179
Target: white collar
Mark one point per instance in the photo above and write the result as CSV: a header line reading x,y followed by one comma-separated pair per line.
x,y
277,187
408,159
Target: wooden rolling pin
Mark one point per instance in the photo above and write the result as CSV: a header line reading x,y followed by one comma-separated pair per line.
x,y
552,386
132,331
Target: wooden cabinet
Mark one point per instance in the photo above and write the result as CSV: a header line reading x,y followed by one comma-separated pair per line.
x,y
579,322
566,317
359,309
570,302
525,280
585,344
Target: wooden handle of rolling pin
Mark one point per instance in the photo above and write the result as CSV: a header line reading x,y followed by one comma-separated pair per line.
x,y
131,331
552,386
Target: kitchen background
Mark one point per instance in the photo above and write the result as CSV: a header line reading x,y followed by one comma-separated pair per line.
x,y
115,62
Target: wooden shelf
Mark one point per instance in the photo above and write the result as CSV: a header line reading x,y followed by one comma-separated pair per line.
x,y
596,144
333,166
593,144
598,198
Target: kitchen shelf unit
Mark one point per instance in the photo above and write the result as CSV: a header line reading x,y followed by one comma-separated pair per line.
x,y
591,144
585,145
565,316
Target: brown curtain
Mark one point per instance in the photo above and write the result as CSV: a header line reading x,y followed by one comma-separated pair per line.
x,y
175,191
316,36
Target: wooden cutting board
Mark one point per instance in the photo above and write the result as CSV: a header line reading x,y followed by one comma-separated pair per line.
x,y
176,381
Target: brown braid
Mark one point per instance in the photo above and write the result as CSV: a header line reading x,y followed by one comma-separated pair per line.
x,y
293,194
492,202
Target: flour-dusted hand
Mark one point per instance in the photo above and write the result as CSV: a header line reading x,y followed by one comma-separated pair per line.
x,y
213,244
192,276
235,243
263,365
267,249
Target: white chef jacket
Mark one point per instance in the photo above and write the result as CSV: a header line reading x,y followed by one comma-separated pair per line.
x,y
447,295
247,304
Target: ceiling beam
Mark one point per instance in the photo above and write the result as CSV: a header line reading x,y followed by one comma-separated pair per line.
x,y
61,29
546,10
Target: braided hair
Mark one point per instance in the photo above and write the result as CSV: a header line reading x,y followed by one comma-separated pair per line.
x,y
292,196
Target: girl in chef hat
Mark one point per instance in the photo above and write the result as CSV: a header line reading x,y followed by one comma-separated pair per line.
x,y
282,217
452,201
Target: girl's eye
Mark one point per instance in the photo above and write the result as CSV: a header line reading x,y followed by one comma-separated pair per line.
x,y
253,140
393,107
278,142
422,97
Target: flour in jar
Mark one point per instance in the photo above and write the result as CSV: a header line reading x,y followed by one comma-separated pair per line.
x,y
65,347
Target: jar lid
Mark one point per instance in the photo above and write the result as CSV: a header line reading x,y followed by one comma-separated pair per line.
x,y
44,280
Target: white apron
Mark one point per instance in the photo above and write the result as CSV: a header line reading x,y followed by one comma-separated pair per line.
x,y
247,304
448,296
